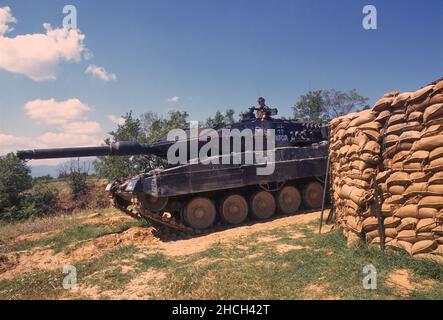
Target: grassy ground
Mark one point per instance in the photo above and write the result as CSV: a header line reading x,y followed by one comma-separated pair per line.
x,y
288,262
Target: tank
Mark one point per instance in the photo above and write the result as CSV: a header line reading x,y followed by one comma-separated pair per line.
x,y
196,197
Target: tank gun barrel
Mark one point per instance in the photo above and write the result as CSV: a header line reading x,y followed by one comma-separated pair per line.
x,y
116,149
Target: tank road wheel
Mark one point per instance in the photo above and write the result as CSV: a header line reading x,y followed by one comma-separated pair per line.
x,y
200,213
313,195
155,204
234,209
262,205
288,200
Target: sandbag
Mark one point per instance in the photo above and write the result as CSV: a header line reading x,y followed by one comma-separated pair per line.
x,y
396,119
383,116
426,225
432,130
405,245
434,189
415,116
407,224
403,127
438,88
436,178
424,246
407,236
419,177
391,232
428,143
436,164
436,153
425,213
363,117
398,178
370,224
418,156
422,93
433,112
409,211
391,222
431,202
437,99
416,189
401,99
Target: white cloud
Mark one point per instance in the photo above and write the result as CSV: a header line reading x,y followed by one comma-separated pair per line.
x,y
117,120
173,99
38,55
101,73
82,127
5,19
56,112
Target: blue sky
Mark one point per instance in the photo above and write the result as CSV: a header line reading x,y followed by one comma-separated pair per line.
x,y
219,54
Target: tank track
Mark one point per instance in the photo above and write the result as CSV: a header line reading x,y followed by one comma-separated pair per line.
x,y
139,212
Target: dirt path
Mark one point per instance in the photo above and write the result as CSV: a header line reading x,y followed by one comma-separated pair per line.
x,y
44,258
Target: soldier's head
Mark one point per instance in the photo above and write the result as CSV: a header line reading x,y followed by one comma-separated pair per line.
x,y
262,102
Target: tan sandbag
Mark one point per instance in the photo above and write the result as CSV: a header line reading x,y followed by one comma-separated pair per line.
x,y
408,236
354,223
438,98
436,153
400,156
397,199
426,225
383,116
370,224
416,189
408,166
432,112
425,213
383,187
391,232
439,240
391,140
431,202
391,222
372,234
373,125
418,177
418,156
436,178
371,147
372,134
424,246
428,143
392,243
415,116
403,127
363,117
396,119
434,190
432,130
387,210
407,224
398,178
436,164
396,189
421,93
438,230
438,88
409,211
382,104
359,165
359,196
425,236
356,183
401,99
405,245
382,176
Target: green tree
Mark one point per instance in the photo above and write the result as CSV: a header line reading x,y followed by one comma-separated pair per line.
x,y
323,105
148,128
310,106
220,118
15,178
338,103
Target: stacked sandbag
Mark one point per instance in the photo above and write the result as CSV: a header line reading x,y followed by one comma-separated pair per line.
x,y
411,174
354,155
399,142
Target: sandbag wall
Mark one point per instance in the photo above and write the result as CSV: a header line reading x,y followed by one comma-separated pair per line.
x,y
406,157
